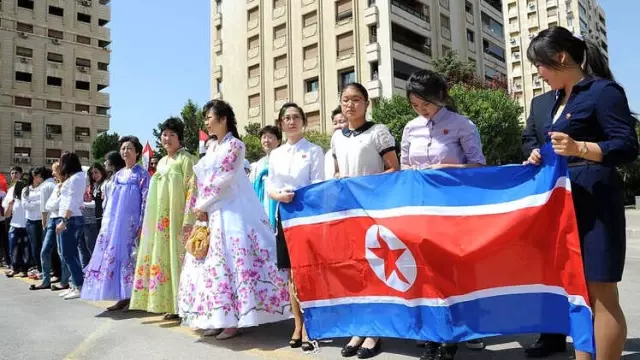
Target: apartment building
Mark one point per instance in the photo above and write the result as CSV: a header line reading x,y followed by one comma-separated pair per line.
x,y
307,50
54,67
525,18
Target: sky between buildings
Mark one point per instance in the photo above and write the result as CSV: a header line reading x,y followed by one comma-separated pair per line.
x,y
161,56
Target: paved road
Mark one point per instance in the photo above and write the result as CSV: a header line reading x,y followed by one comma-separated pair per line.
x,y
39,325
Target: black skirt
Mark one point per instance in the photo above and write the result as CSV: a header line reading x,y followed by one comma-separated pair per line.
x,y
282,253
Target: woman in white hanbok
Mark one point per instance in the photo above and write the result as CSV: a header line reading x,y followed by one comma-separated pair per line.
x,y
238,283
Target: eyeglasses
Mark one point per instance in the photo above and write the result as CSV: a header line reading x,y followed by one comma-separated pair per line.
x,y
354,101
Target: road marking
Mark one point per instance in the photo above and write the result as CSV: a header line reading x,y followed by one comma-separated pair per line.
x,y
89,341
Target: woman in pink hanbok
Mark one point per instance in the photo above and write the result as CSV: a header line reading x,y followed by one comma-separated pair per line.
x,y
237,284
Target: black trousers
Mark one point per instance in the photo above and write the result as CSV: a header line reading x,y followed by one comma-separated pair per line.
x,y
5,253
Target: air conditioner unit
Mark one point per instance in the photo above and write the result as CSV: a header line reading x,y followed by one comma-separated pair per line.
x,y
513,41
23,34
79,138
82,69
532,6
17,133
24,60
49,136
50,161
85,3
55,41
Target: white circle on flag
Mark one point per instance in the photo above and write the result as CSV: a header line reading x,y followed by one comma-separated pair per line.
x,y
390,258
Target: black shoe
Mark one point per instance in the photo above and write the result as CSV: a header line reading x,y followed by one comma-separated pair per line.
x,y
307,346
546,346
295,343
446,352
365,353
430,350
349,351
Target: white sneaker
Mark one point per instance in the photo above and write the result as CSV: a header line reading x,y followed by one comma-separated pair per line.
x,y
72,295
66,292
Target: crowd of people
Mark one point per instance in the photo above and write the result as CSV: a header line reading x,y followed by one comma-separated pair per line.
x,y
118,232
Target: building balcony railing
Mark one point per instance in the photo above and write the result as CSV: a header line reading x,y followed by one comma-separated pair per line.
x,y
410,10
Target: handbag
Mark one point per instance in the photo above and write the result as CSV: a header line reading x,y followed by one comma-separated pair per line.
x,y
198,243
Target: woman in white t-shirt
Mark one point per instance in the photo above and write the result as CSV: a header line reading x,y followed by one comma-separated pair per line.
x,y
18,239
362,148
293,165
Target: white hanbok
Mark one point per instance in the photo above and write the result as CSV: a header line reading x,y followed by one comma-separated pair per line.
x,y
237,284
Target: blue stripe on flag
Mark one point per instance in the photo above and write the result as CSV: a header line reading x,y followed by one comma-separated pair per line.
x,y
451,187
485,317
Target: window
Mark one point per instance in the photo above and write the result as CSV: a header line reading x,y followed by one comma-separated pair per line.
x,y
373,34
54,129
53,57
26,4
411,39
83,62
345,77
468,8
101,110
22,151
83,131
280,62
85,18
345,44
254,71
22,101
280,31
493,49
279,3
445,24
254,100
54,81
82,85
22,27
53,153
254,42
104,44
82,108
23,76
103,22
282,93
54,105
219,85
254,14
312,85
496,4
493,26
24,52
103,66
344,10
311,52
402,70
313,120
310,19
471,36
83,40
55,34
445,50
22,126
56,11
101,87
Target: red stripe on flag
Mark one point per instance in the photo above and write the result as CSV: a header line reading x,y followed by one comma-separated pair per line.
x,y
454,255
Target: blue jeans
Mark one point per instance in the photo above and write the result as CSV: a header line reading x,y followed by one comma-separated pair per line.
x,y
19,247
69,240
87,243
46,256
64,269
34,231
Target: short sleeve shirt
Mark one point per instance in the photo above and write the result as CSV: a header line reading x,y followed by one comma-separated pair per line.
x,y
359,152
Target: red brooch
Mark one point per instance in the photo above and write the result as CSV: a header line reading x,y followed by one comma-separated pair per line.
x,y
445,131
304,156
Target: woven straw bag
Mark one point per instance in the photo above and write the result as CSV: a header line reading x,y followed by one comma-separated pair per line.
x,y
198,243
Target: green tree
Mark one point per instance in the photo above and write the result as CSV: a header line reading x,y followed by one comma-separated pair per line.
x,y
497,117
253,129
104,143
455,70
395,112
159,150
251,139
319,138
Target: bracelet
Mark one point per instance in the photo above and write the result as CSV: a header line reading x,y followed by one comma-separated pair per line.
x,y
584,150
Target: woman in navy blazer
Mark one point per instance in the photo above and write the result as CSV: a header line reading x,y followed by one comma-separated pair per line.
x,y
592,126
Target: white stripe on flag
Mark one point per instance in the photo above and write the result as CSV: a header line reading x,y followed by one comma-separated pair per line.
x,y
489,209
439,302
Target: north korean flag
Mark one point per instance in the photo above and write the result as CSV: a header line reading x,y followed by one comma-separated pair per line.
x,y
442,255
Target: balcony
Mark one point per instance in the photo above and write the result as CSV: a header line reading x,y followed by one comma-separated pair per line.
x,y
410,10
279,12
254,111
552,3
372,52
217,20
371,15
280,42
374,88
309,31
446,33
217,71
253,52
470,18
514,27
311,97
217,46
253,81
310,64
253,23
102,99
280,73
471,46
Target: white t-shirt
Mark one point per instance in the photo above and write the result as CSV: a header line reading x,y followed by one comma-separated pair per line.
x,y
295,166
72,194
329,165
52,205
359,152
18,219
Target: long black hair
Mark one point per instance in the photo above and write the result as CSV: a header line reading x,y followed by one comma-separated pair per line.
x,y
29,182
545,47
116,161
223,109
69,164
102,172
431,87
18,187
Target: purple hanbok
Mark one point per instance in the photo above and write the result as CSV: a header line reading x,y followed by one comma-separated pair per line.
x,y
109,275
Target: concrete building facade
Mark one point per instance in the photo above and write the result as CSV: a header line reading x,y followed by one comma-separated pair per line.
x,y
306,50
54,69
525,18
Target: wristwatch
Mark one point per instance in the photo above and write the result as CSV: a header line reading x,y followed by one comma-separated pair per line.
x,y
584,149
65,221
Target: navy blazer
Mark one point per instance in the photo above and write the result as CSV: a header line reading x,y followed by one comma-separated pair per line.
x,y
534,135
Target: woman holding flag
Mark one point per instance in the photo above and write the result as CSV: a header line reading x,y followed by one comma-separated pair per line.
x,y
592,126
438,138
161,249
291,166
362,148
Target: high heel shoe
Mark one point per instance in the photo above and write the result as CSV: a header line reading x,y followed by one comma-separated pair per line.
x,y
307,346
366,353
295,343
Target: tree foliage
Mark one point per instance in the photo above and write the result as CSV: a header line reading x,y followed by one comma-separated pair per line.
x,y
253,129
457,71
395,112
319,138
104,143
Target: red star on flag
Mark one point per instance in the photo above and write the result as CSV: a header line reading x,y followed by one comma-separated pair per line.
x,y
390,258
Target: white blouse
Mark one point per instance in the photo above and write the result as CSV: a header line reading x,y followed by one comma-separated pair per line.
x,y
31,203
18,219
72,194
359,152
294,166
53,205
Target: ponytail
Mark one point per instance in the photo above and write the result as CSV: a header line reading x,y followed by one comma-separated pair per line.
x,y
594,63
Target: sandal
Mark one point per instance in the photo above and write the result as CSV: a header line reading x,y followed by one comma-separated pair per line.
x,y
295,343
59,287
120,305
39,287
171,317
10,274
